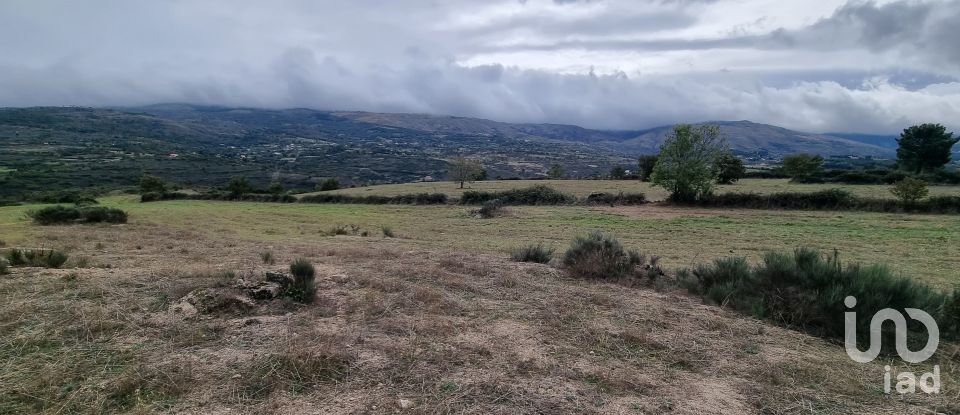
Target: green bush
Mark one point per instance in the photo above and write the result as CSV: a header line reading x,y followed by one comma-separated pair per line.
x,y
47,258
598,256
3,266
328,184
490,209
72,214
408,199
535,195
910,190
532,253
267,257
806,290
303,288
387,232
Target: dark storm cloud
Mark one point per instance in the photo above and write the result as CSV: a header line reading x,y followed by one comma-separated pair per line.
x,y
502,60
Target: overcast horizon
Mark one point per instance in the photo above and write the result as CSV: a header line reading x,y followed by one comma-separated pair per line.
x,y
826,66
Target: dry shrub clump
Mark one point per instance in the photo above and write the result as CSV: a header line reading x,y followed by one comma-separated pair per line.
x,y
532,253
303,288
599,256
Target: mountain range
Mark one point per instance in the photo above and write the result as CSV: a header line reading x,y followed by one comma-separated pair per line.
x,y
49,148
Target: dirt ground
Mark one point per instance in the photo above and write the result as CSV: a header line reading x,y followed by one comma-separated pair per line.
x,y
396,328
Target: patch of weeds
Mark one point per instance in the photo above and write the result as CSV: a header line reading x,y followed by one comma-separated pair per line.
x,y
598,256
295,370
48,258
99,246
267,257
532,253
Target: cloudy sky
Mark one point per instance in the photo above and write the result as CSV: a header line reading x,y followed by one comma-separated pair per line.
x,y
824,65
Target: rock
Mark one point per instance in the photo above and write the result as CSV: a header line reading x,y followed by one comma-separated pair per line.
x,y
265,291
280,278
405,403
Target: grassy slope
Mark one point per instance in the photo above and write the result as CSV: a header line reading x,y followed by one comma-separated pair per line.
x,y
418,319
921,246
585,187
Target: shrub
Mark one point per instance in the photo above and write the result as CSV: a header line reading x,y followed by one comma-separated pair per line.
x,y
806,290
951,314
532,253
910,190
687,163
152,184
48,258
730,169
3,266
71,214
408,199
387,232
535,195
616,199
267,257
801,167
598,255
490,209
303,288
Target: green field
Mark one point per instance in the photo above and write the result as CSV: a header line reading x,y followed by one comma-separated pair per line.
x,y
583,188
921,246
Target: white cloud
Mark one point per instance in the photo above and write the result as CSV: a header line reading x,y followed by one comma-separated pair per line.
x,y
866,67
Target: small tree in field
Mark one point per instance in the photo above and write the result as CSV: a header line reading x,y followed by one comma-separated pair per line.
x,y
910,190
688,160
617,173
645,165
238,185
802,166
464,170
152,184
730,169
555,172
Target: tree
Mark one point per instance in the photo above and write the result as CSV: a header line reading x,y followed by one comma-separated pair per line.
x,y
802,166
730,169
910,190
152,184
463,170
276,188
556,171
688,159
645,165
617,173
328,184
238,185
925,147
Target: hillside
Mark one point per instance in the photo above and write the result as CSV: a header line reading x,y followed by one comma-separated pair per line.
x,y
51,148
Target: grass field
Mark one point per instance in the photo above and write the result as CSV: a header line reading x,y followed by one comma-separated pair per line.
x,y
437,319
582,188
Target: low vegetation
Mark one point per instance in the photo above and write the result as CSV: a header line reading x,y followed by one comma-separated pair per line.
x,y
532,253
832,199
535,195
47,258
53,215
597,255
387,232
910,190
806,290
489,209
618,199
408,199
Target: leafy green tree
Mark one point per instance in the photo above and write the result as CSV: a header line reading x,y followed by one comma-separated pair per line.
x,y
802,166
481,175
730,169
152,184
556,171
910,190
925,147
618,173
463,170
276,188
645,165
238,185
688,159
328,184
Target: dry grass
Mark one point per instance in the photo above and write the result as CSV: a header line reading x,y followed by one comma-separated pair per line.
x,y
447,331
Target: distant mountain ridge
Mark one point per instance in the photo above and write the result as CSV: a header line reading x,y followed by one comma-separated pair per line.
x,y
744,137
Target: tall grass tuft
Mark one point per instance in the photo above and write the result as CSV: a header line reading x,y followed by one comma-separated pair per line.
x,y
267,257
47,258
598,256
387,232
304,287
532,253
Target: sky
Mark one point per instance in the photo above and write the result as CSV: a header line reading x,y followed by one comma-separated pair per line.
x,y
819,66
